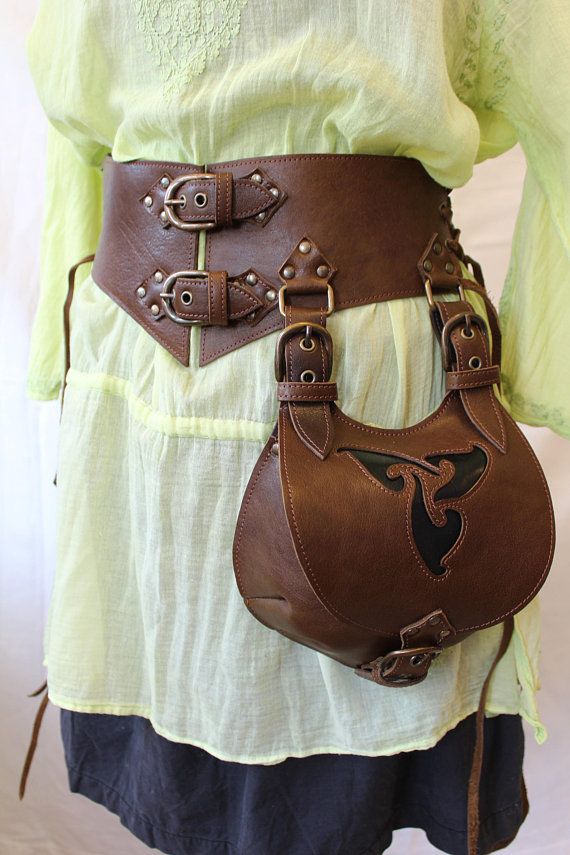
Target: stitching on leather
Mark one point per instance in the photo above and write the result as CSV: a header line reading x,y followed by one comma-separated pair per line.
x,y
243,519
529,597
308,570
404,431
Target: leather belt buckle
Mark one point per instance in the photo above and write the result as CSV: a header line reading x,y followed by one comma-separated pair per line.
x,y
168,295
171,201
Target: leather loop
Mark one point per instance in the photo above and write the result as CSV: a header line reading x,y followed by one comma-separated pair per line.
x,y
472,378
317,391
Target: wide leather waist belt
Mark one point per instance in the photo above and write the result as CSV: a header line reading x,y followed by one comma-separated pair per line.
x,y
222,244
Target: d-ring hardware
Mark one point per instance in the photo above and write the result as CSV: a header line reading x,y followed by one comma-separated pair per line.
x,y
330,299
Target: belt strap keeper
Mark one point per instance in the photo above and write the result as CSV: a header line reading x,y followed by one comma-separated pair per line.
x,y
311,392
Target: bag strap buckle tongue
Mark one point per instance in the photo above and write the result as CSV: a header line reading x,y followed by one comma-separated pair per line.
x,y
410,665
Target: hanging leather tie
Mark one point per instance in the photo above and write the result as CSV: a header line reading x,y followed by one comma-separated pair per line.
x,y
34,738
477,761
66,332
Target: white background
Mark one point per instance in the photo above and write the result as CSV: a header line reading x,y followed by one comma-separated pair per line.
x,y
50,820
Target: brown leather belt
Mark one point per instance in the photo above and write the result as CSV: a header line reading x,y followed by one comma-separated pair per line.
x,y
355,228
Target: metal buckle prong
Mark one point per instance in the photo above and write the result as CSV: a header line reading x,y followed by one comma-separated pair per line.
x,y
167,293
170,201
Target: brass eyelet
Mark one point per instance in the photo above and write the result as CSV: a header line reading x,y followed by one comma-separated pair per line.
x,y
311,341
308,376
475,362
464,333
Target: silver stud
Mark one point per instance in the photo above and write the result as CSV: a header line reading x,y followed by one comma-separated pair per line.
x,y
141,292
304,247
274,192
271,295
158,277
155,309
261,216
164,216
251,279
288,272
164,182
433,621
322,271
449,268
257,178
437,248
428,265
148,201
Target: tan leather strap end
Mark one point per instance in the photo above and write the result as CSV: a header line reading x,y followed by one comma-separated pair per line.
x,y
472,378
317,391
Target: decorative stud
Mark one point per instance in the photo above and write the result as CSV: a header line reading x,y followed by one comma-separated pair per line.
x,y
158,277
449,267
288,272
274,192
163,216
257,178
141,292
148,201
428,265
164,182
433,621
322,271
261,216
304,247
437,248
251,279
271,295
155,309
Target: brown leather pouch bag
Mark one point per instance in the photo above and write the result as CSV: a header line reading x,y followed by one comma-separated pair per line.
x,y
380,548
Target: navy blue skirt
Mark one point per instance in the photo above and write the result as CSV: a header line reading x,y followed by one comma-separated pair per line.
x,y
181,800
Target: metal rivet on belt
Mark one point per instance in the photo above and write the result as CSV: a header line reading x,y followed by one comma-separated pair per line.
x,y
274,192
251,279
261,216
155,309
437,248
148,201
141,292
164,182
304,246
322,271
449,267
271,295
433,621
158,277
164,216
256,177
428,265
288,272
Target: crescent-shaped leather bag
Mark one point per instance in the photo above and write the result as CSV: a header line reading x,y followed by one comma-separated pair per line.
x,y
380,548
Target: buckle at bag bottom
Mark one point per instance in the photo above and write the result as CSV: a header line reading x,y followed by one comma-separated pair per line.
x,y
400,667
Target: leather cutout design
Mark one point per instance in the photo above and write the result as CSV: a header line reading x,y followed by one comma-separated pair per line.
x,y
436,528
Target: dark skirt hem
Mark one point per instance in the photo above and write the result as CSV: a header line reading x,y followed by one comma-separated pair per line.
x,y
498,829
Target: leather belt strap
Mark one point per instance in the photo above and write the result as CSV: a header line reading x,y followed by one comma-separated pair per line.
x,y
362,221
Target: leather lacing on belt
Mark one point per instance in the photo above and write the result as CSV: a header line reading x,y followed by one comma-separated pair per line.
x,y
365,219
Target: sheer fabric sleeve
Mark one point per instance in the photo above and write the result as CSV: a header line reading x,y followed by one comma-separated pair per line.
x,y
523,93
71,225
